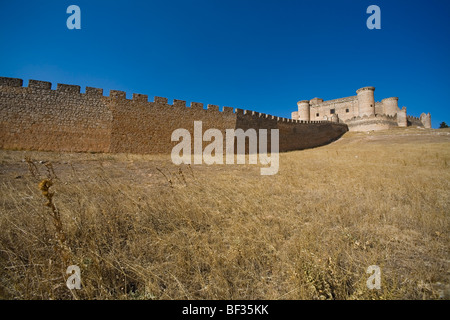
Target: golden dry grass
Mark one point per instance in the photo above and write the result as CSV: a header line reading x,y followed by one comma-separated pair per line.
x,y
141,228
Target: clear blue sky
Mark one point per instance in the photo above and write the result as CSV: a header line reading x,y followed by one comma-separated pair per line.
x,y
258,55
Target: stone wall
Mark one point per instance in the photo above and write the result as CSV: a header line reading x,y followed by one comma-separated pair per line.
x,y
372,122
345,108
414,121
39,118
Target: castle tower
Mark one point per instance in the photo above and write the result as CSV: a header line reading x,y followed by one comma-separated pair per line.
x,y
390,106
426,120
294,115
304,111
366,101
401,118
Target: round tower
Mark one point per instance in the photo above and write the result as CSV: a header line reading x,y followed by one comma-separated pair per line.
x,y
304,110
366,101
390,106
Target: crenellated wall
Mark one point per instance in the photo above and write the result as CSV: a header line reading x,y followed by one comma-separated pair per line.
x,y
39,118
414,121
372,122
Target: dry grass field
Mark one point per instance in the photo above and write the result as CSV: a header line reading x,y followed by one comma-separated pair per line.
x,y
140,227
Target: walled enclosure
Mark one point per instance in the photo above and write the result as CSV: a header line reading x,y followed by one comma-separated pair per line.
x,y
360,112
39,118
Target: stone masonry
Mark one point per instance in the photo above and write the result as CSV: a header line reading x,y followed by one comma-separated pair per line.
x,y
39,118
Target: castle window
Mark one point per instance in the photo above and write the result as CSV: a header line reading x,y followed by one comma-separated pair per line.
x,y
332,111
317,114
346,110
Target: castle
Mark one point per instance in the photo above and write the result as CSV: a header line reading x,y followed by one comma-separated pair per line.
x,y
38,117
360,112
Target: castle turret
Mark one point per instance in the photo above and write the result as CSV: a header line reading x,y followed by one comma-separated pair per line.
x,y
304,110
426,120
366,101
402,121
294,115
390,106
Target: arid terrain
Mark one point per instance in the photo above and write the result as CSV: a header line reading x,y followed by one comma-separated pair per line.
x,y
140,227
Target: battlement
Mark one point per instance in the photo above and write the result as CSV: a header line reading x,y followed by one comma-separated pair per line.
x,y
67,119
94,92
213,108
418,121
373,116
196,105
143,98
113,94
390,99
116,94
36,84
67,88
11,82
140,97
365,89
412,118
372,122
161,100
